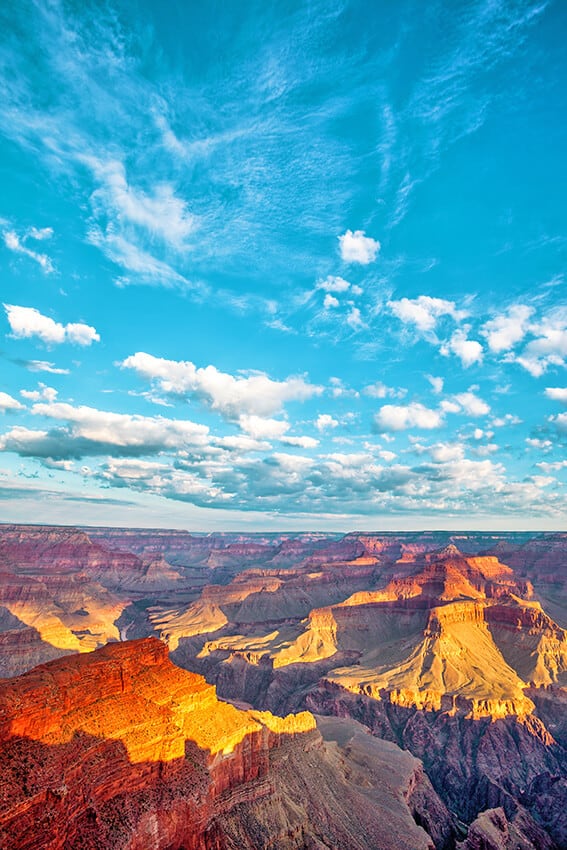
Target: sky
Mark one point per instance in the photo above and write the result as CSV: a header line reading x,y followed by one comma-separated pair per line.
x,y
284,265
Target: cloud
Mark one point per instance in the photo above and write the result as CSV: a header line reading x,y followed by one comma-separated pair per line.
x,y
393,417
424,311
133,258
13,242
469,351
89,431
358,248
300,442
333,284
549,348
380,390
9,403
44,393
263,429
436,383
27,322
325,421
161,213
557,393
507,329
471,404
330,301
231,396
40,233
42,366
560,422
354,319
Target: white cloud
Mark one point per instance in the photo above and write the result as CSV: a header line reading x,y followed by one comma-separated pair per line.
x,y
506,330
333,284
445,452
549,348
147,268
330,301
27,322
9,403
40,233
557,393
13,242
44,393
424,311
44,366
536,443
554,466
394,417
263,429
358,248
469,351
325,421
471,404
354,319
231,396
507,419
300,442
161,213
89,431
436,383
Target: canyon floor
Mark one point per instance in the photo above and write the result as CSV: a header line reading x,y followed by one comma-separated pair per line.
x,y
282,690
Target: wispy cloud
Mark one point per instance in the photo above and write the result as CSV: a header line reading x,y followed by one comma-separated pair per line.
x,y
19,245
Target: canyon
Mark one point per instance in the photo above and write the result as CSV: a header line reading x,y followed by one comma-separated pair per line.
x,y
282,690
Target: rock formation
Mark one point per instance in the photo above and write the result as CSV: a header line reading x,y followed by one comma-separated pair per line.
x,y
121,749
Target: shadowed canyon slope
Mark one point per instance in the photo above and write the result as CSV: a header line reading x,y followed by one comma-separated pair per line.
x,y
450,646
121,749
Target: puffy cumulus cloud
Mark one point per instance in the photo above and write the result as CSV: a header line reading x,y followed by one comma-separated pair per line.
x,y
27,322
394,417
469,403
232,397
424,311
549,348
469,351
507,419
43,393
537,443
325,421
16,244
330,301
333,284
557,393
356,247
87,431
504,331
444,452
300,442
552,466
263,429
9,403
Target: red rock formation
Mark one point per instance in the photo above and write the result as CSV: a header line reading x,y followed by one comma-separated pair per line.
x,y
121,749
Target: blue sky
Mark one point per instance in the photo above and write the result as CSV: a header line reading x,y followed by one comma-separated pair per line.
x,y
289,265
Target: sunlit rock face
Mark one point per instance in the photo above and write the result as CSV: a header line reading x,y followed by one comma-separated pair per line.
x,y
120,748
450,645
